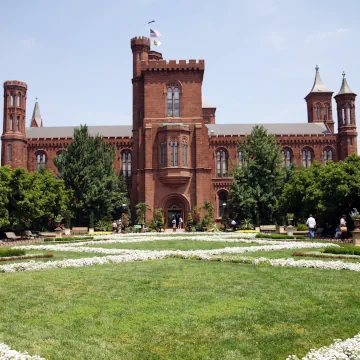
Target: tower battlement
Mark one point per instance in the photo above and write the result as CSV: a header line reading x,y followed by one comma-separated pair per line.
x,y
15,83
140,41
167,65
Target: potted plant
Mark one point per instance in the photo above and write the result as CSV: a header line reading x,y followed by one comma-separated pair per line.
x,y
355,216
290,218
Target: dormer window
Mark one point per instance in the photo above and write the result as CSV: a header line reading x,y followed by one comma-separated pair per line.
x,y
173,100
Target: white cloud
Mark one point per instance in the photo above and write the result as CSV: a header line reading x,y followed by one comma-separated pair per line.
x,y
28,41
324,35
278,40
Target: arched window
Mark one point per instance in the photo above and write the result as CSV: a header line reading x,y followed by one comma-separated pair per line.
x,y
222,198
126,164
326,112
60,157
221,163
241,159
40,161
11,123
348,108
173,100
286,157
328,155
184,152
343,118
163,159
18,100
318,112
18,123
174,153
12,100
307,158
9,152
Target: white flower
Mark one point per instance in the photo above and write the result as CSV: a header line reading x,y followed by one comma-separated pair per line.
x,y
7,353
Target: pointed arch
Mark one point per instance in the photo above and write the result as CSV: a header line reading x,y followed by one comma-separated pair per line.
x,y
41,160
328,155
173,93
307,155
287,156
318,111
222,157
222,197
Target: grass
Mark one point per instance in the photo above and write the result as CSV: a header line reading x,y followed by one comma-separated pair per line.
x,y
176,309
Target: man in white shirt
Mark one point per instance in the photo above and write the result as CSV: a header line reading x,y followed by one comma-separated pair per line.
x,y
311,223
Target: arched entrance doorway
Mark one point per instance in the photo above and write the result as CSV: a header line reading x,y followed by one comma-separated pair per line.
x,y
174,208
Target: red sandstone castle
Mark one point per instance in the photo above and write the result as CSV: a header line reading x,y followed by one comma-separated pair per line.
x,y
174,155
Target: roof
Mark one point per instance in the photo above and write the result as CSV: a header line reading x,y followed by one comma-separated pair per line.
x,y
206,104
68,131
36,115
345,87
319,86
277,129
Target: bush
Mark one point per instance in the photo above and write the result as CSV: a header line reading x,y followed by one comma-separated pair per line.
x,y
70,238
11,252
103,225
49,239
278,236
301,227
348,250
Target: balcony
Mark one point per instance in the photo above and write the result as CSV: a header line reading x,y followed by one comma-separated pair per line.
x,y
174,175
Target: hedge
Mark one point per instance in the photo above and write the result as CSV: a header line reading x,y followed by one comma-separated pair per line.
x,y
348,250
70,238
278,236
11,252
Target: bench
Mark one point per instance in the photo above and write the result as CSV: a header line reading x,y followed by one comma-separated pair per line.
x,y
11,236
268,228
30,235
79,230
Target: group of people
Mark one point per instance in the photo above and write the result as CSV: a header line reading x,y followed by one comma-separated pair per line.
x,y
177,222
340,231
116,226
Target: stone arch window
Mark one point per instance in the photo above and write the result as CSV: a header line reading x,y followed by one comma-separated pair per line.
x,y
9,152
12,100
222,200
174,152
307,157
163,154
326,112
18,123
40,160
184,152
173,100
241,159
328,155
318,111
343,118
286,155
221,163
18,104
126,164
348,109
11,125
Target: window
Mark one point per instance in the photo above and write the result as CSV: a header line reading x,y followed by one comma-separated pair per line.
x,y
241,159
222,198
174,152
12,100
9,152
173,100
318,110
11,123
286,157
18,123
349,113
328,156
40,161
307,158
221,163
126,164
163,160
326,112
343,115
18,100
184,152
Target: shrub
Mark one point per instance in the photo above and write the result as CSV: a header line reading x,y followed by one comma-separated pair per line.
x,y
70,238
49,239
11,252
301,227
103,225
278,236
348,250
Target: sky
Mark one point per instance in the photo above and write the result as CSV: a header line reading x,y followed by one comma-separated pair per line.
x,y
260,55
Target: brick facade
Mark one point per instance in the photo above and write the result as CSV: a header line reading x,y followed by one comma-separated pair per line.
x,y
179,156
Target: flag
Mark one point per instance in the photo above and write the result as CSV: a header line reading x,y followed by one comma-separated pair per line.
x,y
157,43
154,33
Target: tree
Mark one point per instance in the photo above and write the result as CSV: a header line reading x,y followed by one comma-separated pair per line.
x,y
87,169
208,219
5,192
141,210
257,186
158,219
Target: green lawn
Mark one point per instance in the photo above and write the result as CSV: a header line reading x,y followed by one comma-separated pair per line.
x,y
177,309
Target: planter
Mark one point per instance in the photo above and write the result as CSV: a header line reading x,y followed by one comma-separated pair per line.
x,y
290,221
290,230
67,232
356,237
357,223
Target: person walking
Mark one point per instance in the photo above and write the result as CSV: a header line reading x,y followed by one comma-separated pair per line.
x,y
180,222
311,223
343,227
233,224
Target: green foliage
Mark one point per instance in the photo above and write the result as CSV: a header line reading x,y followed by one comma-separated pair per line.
x,y
158,219
103,225
327,192
278,236
301,227
196,217
91,220
257,186
290,216
7,252
246,224
141,210
189,222
31,200
69,239
87,169
348,250
208,219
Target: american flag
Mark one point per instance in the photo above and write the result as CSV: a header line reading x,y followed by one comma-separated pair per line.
x,y
154,33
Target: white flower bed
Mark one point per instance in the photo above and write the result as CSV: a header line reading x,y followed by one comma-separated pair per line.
x,y
340,350
7,353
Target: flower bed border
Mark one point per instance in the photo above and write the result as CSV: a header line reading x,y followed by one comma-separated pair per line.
x,y
25,257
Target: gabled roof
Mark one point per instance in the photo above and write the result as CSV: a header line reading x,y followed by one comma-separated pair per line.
x,y
345,87
36,120
319,86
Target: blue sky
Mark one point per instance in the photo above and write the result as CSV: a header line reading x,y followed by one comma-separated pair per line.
x,y
259,55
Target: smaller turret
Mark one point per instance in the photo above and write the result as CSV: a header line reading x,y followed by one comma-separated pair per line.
x,y
36,120
140,47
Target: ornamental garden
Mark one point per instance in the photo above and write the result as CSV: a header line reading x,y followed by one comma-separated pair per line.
x,y
212,292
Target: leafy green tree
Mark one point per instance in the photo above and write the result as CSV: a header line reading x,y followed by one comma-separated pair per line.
x,y
5,193
141,210
87,169
257,186
208,219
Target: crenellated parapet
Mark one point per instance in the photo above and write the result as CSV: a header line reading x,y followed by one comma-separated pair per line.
x,y
173,65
